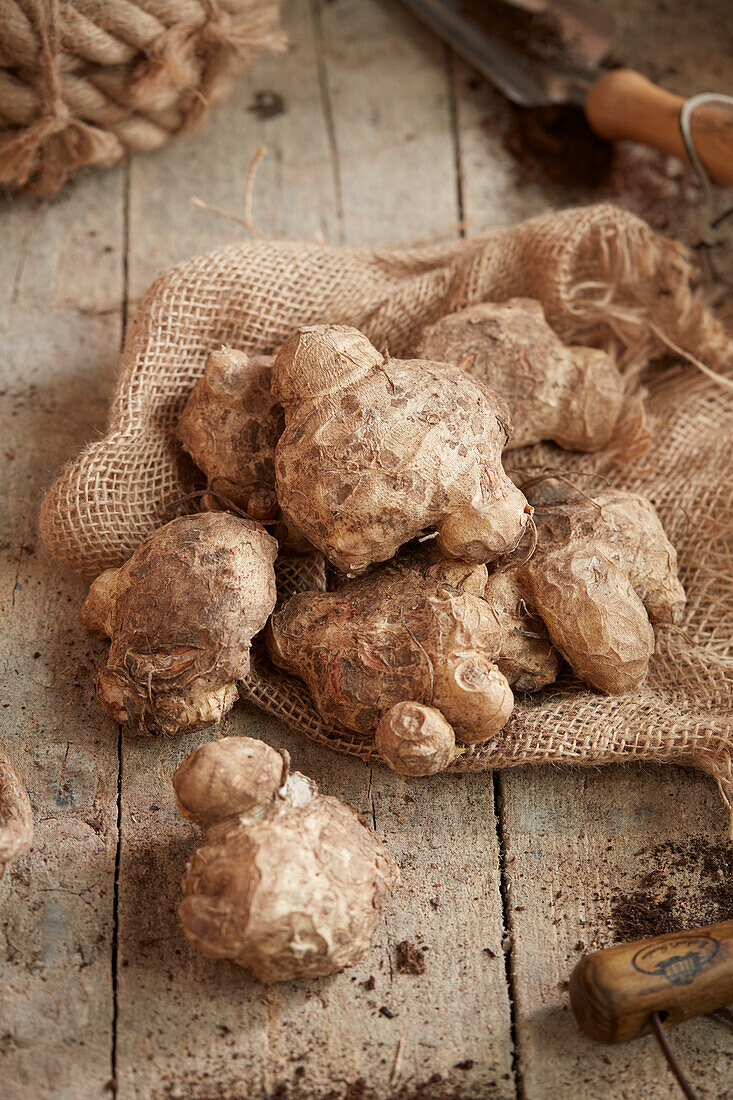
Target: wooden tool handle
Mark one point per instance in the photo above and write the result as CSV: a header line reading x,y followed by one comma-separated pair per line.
x,y
624,105
680,975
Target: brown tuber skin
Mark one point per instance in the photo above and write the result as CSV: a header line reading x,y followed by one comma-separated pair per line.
x,y
181,614
570,395
400,635
528,658
230,426
415,739
377,450
16,816
233,776
602,574
293,885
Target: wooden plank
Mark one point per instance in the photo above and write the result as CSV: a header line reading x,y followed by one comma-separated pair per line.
x,y
60,318
593,855
389,108
188,1027
293,193
183,1021
597,856
185,1024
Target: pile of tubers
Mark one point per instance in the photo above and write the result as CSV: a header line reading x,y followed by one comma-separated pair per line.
x,y
450,589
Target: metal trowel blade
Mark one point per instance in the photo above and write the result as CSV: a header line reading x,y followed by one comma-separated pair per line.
x,y
537,54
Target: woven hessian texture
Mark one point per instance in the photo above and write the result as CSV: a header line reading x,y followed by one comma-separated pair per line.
x,y
603,278
84,81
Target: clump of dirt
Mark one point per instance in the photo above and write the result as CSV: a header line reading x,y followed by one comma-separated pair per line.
x,y
410,959
267,104
688,885
639,916
556,146
538,35
204,1087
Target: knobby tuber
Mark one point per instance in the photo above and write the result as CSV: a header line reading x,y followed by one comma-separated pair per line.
x,y
181,613
528,658
377,450
403,653
602,575
571,395
288,883
230,425
16,816
415,740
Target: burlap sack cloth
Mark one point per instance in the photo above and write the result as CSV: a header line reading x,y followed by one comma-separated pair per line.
x,y
603,278
84,81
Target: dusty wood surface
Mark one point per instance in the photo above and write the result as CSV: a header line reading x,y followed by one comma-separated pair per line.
x,y
383,137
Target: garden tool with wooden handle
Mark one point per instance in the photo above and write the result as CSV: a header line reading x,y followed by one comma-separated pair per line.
x,y
680,975
542,52
631,989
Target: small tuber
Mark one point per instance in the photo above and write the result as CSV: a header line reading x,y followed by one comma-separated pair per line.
x,y
230,425
181,613
377,450
602,574
288,883
571,395
16,816
415,739
400,654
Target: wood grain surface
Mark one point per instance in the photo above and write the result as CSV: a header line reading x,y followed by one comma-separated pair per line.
x,y
376,135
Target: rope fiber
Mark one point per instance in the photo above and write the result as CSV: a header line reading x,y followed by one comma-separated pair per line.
x,y
82,82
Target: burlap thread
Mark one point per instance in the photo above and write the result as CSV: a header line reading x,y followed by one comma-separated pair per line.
x,y
604,278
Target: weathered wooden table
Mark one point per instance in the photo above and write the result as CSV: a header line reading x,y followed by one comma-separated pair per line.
x,y
383,137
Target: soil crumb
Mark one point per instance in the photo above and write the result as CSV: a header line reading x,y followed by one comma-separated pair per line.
x,y
537,35
688,885
638,916
267,104
410,959
555,146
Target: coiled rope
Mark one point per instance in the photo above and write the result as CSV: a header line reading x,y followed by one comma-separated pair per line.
x,y
84,81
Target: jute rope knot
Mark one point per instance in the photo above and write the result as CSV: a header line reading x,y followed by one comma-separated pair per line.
x,y
83,81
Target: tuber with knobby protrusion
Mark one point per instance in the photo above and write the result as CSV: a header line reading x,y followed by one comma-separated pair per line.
x,y
181,613
528,658
288,883
402,634
571,395
415,739
602,575
230,425
16,815
377,450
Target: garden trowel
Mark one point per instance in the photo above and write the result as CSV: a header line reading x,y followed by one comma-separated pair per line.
x,y
542,52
